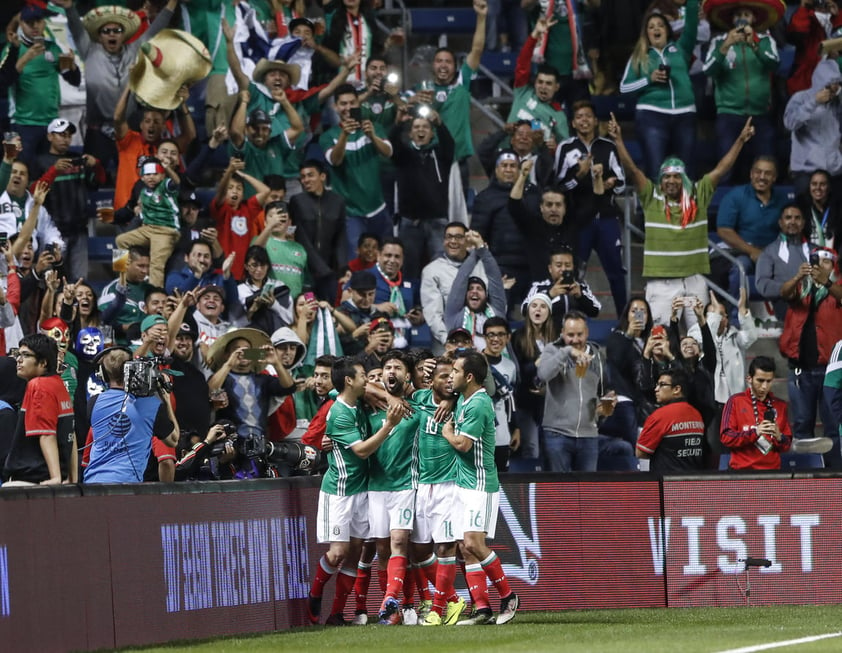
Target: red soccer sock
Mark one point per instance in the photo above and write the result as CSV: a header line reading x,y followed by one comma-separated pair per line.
x,y
429,568
344,584
409,586
494,570
361,585
421,582
477,586
324,572
396,574
382,578
445,578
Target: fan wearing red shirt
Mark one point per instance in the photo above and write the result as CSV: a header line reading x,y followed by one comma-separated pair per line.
x,y
754,422
237,218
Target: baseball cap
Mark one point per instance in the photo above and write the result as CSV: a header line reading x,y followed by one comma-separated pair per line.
x,y
380,323
362,280
32,12
295,22
188,328
151,320
478,280
259,117
60,125
189,197
459,334
211,288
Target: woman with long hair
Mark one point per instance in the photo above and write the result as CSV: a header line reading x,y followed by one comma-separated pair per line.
x,y
266,302
659,73
624,349
528,342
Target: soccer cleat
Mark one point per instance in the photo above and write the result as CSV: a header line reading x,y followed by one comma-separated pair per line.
x,y
360,619
508,608
424,608
454,611
432,619
390,615
481,617
410,617
337,619
314,608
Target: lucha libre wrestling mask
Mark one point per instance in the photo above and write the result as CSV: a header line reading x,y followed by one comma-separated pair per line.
x,y
89,343
58,330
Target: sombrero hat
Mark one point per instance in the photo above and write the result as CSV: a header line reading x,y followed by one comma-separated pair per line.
x,y
169,60
766,12
257,340
96,18
265,65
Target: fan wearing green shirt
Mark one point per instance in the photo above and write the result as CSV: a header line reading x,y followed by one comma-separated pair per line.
x,y
471,432
449,92
342,517
675,250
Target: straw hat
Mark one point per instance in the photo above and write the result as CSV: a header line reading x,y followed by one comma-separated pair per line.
x,y
766,12
265,65
169,60
257,340
125,18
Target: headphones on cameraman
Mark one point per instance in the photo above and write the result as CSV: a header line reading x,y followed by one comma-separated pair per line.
x,y
100,368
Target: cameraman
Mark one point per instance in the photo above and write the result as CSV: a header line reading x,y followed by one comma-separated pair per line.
x,y
123,424
194,461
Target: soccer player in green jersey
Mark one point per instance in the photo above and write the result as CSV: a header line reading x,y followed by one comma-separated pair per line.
x,y
471,433
342,518
436,495
392,480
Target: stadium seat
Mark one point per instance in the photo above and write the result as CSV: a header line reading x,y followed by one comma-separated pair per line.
x,y
440,21
622,106
724,461
501,64
99,248
801,461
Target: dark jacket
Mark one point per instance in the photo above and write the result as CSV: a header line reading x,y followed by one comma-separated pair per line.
x,y
491,218
540,236
321,231
423,173
67,201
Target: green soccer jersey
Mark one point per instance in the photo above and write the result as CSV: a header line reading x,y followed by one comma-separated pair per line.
x,y
357,178
35,96
347,473
280,123
394,466
288,261
277,158
527,106
833,374
436,457
159,205
474,419
453,104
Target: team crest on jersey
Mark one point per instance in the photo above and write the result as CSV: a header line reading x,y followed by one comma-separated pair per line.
x,y
376,108
239,225
441,96
49,56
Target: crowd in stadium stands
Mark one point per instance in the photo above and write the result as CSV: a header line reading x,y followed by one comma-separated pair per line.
x,y
278,196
